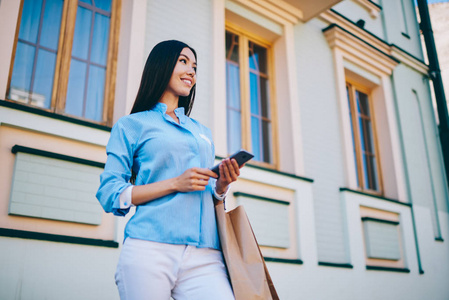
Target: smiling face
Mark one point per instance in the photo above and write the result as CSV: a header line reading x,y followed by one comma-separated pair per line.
x,y
183,77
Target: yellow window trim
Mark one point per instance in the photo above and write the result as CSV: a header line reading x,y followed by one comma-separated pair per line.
x,y
353,86
244,38
63,58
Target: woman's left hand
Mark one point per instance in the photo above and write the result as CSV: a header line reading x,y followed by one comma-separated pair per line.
x,y
229,171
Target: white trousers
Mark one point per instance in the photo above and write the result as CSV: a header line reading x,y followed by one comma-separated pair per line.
x,y
150,270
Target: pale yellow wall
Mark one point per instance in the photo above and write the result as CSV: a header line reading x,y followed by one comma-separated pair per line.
x,y
10,136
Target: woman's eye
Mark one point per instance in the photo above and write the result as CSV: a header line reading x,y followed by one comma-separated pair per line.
x,y
183,60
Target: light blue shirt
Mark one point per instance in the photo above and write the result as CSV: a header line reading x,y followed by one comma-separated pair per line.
x,y
158,148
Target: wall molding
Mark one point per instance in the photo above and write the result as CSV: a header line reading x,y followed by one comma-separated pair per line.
x,y
377,268
17,148
31,235
49,114
336,265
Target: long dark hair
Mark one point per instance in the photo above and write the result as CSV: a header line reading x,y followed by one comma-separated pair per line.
x,y
156,76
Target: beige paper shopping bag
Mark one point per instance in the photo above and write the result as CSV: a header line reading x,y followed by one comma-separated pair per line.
x,y
246,267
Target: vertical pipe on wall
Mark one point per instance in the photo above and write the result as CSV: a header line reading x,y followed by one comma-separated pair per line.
x,y
435,75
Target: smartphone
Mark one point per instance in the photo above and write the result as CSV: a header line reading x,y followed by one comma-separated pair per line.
x,y
241,156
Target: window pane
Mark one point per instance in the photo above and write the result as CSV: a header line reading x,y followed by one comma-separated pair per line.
x,y
232,47
255,138
82,33
254,93
21,75
51,24
266,129
260,55
75,89
365,170
100,40
253,61
265,99
371,172
364,105
361,134
103,4
43,79
234,131
95,93
29,24
87,1
374,173
369,138
233,85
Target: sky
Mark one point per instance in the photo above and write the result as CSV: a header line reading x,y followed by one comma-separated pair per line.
x,y
436,1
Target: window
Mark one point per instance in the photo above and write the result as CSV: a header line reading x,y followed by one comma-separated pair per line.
x,y
249,111
63,59
363,138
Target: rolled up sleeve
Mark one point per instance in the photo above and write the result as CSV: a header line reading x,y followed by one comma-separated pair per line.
x,y
117,172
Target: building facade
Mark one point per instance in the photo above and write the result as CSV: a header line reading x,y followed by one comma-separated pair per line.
x,y
347,193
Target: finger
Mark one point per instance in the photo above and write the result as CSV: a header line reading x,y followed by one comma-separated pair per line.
x,y
232,171
199,182
226,174
206,172
201,176
236,167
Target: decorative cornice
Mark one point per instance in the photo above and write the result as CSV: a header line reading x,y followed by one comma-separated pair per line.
x,y
278,11
408,59
332,17
360,49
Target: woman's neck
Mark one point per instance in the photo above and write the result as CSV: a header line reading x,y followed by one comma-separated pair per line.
x,y
171,101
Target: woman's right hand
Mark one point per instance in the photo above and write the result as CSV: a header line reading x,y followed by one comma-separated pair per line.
x,y
193,179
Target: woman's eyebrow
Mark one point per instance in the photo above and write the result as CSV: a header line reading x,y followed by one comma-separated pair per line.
x,y
186,57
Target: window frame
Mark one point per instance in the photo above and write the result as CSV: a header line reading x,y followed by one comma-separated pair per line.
x,y
244,38
63,58
352,86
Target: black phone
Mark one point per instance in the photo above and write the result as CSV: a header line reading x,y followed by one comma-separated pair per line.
x,y
241,156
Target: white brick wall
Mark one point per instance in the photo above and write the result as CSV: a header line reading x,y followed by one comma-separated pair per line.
x,y
55,189
322,138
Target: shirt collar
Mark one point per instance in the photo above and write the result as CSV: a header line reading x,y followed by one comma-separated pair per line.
x,y
179,112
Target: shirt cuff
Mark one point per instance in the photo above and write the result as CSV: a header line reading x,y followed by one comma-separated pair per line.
x,y
221,196
126,197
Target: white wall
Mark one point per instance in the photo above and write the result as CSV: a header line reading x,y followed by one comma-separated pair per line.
x,y
191,23
322,140
48,270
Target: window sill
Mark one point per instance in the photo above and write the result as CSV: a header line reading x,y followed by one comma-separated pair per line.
x,y
389,269
13,233
343,189
336,265
283,260
49,114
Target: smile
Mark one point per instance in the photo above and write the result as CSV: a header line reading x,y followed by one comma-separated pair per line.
x,y
187,81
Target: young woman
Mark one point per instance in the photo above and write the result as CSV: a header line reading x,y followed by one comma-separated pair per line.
x,y
171,243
